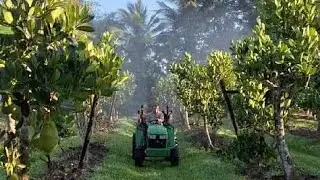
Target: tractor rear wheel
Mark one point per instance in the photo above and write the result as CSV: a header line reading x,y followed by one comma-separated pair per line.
x,y
139,156
174,156
133,145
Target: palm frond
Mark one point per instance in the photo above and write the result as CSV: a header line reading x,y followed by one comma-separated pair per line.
x,y
169,12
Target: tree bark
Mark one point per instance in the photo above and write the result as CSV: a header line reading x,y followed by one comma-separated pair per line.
x,y
282,147
198,119
228,101
117,114
11,124
88,133
186,116
206,129
24,140
112,107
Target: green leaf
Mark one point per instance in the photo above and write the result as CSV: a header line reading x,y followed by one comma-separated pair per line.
x,y
2,63
287,102
8,4
29,2
90,46
88,19
21,166
56,75
91,68
85,28
56,13
251,103
7,16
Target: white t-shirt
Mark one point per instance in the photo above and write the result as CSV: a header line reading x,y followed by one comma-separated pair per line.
x,y
154,116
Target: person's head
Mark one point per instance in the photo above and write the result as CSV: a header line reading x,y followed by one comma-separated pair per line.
x,y
156,108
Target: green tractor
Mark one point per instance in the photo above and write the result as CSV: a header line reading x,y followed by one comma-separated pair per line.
x,y
155,140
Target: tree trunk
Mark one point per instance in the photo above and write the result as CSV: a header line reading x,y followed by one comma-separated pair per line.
x,y
198,119
111,107
117,115
186,116
11,135
317,118
206,129
24,140
11,124
282,147
88,133
228,101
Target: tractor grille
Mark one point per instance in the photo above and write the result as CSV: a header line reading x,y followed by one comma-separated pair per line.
x,y
157,142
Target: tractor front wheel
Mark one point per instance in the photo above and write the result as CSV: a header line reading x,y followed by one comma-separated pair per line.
x,y
139,156
133,145
174,156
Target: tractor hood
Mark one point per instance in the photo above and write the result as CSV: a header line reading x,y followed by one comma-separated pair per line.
x,y
157,129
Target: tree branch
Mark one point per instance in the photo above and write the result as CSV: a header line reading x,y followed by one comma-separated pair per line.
x,y
270,84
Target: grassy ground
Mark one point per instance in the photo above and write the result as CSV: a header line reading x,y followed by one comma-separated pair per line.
x,y
305,146
306,154
195,162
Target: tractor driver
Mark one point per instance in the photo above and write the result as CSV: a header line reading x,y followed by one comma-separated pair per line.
x,y
156,114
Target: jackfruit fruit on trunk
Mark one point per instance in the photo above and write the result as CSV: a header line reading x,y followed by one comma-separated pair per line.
x,y
14,177
49,137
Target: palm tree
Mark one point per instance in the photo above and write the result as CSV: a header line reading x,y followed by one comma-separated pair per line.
x,y
182,19
199,26
136,35
137,23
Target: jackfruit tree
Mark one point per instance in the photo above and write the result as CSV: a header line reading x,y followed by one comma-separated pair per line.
x,y
220,71
44,39
279,57
198,94
101,78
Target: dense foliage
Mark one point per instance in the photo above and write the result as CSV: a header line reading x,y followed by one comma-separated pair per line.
x,y
278,58
56,82
47,52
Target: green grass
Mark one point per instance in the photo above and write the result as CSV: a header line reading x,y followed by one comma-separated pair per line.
x,y
195,163
305,152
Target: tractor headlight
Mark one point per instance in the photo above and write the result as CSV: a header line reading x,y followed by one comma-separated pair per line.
x,y
163,137
152,136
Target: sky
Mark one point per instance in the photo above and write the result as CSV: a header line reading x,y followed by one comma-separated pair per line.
x,y
107,6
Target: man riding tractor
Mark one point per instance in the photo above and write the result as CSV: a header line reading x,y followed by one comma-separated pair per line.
x,y
155,116
154,137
